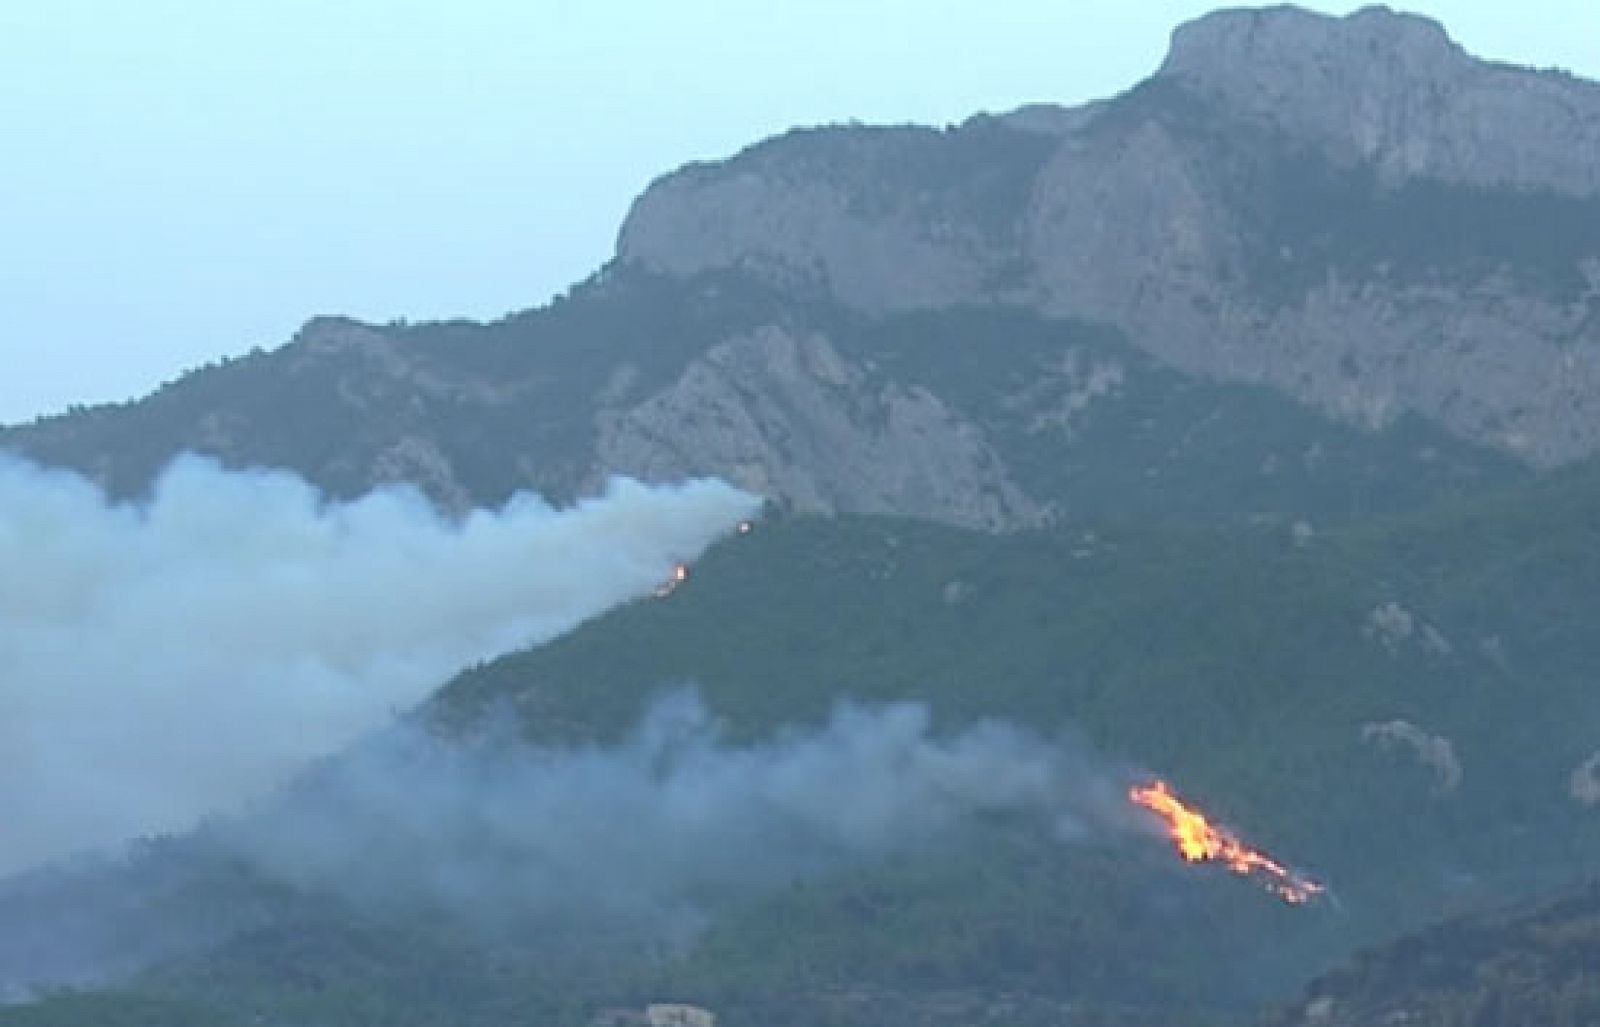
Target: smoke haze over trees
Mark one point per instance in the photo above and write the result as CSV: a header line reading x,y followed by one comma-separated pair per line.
x,y
164,660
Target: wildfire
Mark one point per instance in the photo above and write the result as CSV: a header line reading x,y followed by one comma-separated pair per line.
x,y
1199,841
680,574
680,571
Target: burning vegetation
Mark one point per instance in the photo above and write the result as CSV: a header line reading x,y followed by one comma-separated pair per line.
x,y
680,571
1200,841
680,574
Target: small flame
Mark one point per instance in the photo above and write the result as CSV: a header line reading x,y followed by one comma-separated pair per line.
x,y
680,574
1199,841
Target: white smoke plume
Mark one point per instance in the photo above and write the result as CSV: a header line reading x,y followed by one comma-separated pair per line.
x,y
163,660
641,841
674,816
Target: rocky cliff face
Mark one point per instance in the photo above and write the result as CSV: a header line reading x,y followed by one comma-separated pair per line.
x,y
983,417
1315,234
878,218
1272,145
788,416
1147,225
1392,91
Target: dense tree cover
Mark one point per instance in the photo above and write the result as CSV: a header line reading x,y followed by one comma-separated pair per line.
x,y
1243,662
1512,968
1239,590
503,400
1304,217
512,405
1104,432
112,1009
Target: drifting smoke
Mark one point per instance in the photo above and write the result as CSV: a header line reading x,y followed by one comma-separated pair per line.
x,y
165,660
672,818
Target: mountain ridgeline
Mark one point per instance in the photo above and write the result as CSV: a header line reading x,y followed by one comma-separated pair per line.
x,y
1341,697
1380,278
1243,428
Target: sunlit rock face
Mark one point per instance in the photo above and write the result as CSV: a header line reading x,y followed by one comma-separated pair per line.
x,y
788,416
1178,213
1395,92
1352,216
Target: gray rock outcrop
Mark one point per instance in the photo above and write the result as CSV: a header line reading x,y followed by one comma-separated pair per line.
x,y
1130,219
1232,221
1394,92
786,416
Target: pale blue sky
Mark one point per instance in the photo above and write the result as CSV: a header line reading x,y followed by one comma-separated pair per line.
x,y
184,179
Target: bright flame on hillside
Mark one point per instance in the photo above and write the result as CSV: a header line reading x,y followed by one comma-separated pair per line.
x,y
1200,841
680,574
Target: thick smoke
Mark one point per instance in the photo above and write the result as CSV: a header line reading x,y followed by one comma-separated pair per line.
x,y
669,822
642,841
163,660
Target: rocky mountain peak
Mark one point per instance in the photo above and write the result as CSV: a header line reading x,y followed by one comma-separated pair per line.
x,y
1255,44
1394,91
1351,212
1290,176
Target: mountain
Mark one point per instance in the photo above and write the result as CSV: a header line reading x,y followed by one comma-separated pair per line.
x,y
1351,211
1523,966
1238,429
1345,696
1379,281
1401,706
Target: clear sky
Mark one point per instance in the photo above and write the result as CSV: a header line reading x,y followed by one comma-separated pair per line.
x,y
184,179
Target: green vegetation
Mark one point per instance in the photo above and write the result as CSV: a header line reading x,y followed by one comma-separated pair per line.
x,y
1240,591
1105,432
1180,620
111,1009
1304,217
498,399
1243,662
1080,419
1533,967
979,173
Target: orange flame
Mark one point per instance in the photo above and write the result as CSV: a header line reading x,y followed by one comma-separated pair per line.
x,y
1199,841
680,574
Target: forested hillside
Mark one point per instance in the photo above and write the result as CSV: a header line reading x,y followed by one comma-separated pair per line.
x,y
1261,670
1238,431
